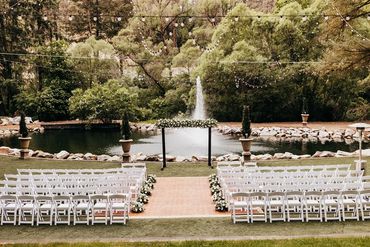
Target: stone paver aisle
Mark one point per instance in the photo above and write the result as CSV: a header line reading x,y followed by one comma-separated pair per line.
x,y
180,197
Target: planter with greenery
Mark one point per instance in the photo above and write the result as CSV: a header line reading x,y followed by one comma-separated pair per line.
x,y
126,141
304,114
24,139
246,141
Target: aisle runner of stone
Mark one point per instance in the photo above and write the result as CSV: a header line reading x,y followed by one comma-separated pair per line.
x,y
178,197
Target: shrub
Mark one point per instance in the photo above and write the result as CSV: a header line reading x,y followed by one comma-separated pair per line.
x,y
23,131
125,128
246,123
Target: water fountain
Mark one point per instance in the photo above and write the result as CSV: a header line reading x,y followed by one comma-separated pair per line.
x,y
199,111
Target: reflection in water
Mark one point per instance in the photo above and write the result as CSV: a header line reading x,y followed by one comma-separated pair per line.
x,y
106,142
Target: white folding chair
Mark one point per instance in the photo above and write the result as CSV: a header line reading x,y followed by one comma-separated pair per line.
x,y
99,209
239,207
119,205
44,210
9,209
294,205
275,206
26,207
331,205
364,200
350,205
81,209
63,209
257,206
313,205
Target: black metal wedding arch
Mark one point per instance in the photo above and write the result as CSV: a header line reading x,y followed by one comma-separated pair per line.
x,y
186,123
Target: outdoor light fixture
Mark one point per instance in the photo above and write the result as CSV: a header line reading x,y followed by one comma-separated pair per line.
x,y
360,127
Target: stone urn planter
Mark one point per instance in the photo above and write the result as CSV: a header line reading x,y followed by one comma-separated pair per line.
x,y
305,118
24,143
246,145
126,146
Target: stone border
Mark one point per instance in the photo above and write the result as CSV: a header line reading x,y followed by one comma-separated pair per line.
x,y
140,157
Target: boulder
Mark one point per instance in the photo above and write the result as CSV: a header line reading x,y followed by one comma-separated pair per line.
x,y
287,155
278,156
90,156
200,158
266,157
348,133
152,158
4,150
170,158
115,158
317,154
47,155
14,151
327,154
341,153
4,121
220,158
103,157
141,157
233,157
305,156
296,157
323,134
62,155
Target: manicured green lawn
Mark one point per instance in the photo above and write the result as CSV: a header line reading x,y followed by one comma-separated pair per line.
x,y
303,242
11,164
164,229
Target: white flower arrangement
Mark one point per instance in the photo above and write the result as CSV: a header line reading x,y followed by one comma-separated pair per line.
x,y
186,123
137,207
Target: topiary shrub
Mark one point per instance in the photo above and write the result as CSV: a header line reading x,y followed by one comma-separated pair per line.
x,y
125,128
246,122
23,131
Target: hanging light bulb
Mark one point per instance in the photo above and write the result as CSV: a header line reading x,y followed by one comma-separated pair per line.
x,y
213,20
348,18
182,24
45,18
190,33
258,18
190,19
326,18
119,18
304,18
176,24
167,19
143,19
70,18
95,18
194,42
170,33
236,19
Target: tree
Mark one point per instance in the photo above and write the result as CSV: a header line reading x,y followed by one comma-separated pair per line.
x,y
96,59
105,102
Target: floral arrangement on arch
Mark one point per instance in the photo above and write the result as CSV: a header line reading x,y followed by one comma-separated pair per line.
x,y
186,123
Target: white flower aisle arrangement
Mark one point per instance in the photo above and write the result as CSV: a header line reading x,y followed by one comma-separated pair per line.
x,y
217,196
186,123
145,192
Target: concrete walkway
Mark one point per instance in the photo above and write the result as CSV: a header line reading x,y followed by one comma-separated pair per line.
x,y
180,197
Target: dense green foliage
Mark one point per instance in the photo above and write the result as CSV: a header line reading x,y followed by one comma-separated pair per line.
x,y
269,62
104,102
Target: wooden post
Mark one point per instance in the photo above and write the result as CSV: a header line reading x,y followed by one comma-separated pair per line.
x,y
163,149
209,146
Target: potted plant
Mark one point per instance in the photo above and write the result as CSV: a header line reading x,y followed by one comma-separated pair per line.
x,y
24,139
246,132
304,114
126,141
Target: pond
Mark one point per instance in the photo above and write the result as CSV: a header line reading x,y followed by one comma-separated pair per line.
x,y
179,142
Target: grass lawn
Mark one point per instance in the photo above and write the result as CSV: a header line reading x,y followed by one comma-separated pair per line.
x,y
188,229
327,242
9,165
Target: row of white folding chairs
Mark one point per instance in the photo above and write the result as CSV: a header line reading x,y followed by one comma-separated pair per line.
x,y
135,169
296,205
43,188
300,174
276,169
77,209
229,189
